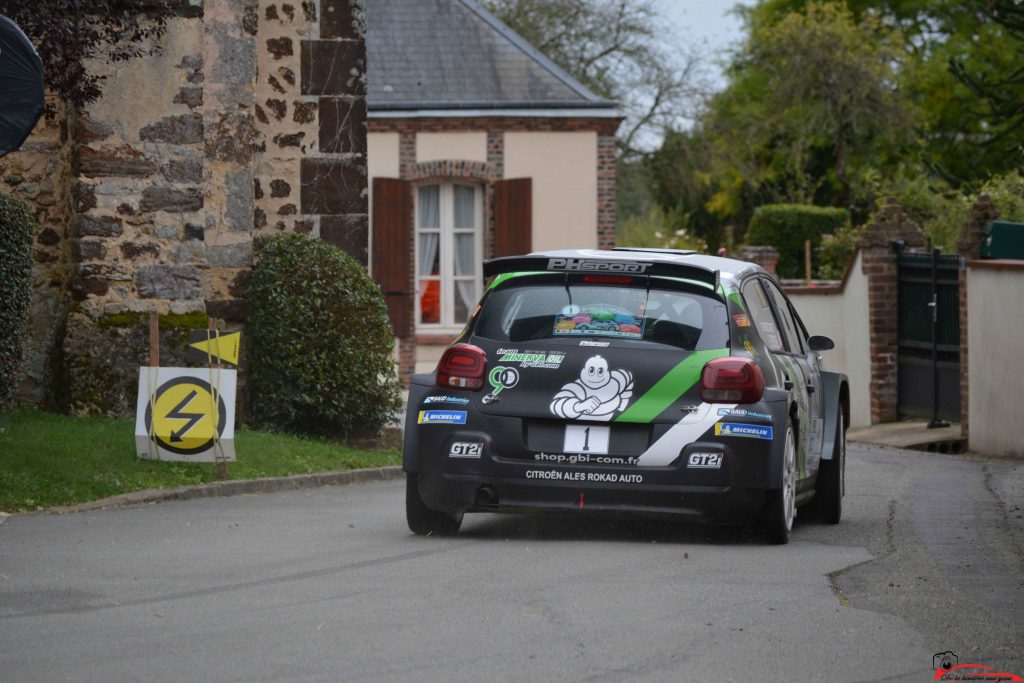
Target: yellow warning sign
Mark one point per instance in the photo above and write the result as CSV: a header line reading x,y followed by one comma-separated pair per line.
x,y
206,346
186,415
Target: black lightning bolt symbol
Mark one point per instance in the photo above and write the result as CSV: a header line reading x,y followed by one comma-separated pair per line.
x,y
192,418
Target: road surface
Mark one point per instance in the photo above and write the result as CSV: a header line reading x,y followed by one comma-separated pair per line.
x,y
329,585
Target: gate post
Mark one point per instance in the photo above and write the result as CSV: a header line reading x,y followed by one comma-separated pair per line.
x,y
879,257
969,247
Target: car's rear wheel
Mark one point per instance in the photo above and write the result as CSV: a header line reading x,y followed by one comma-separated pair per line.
x,y
831,485
780,504
423,520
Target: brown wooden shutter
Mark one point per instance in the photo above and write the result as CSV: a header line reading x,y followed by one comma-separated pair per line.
x,y
513,216
392,250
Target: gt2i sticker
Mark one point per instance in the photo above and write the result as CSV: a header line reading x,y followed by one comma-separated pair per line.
x,y
603,477
747,431
449,417
501,378
598,394
743,412
531,359
459,400
706,461
465,449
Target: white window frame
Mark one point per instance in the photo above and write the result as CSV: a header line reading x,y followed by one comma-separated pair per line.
x,y
446,247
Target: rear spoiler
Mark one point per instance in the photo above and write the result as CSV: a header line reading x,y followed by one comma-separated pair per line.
x,y
616,266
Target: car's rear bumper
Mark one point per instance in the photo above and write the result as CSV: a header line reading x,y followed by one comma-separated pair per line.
x,y
579,490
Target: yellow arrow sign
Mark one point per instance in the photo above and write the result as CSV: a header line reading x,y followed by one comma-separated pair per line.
x,y
210,348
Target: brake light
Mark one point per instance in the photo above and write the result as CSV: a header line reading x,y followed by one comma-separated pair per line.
x,y
462,366
608,279
731,380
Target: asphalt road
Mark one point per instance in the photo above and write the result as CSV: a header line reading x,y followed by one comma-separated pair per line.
x,y
328,585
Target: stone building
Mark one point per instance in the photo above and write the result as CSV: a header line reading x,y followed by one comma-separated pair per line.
x,y
250,120
479,146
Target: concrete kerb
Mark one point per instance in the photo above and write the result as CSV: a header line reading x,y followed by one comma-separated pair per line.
x,y
234,488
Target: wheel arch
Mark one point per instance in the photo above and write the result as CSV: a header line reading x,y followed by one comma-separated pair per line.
x,y
836,394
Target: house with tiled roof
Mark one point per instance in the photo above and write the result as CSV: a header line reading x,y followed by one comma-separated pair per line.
x,y
479,146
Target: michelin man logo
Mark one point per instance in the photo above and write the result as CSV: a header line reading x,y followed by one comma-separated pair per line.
x,y
597,395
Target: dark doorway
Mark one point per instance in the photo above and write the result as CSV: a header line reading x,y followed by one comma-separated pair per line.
x,y
926,279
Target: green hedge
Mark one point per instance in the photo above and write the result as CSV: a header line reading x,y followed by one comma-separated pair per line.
x,y
320,343
787,226
17,227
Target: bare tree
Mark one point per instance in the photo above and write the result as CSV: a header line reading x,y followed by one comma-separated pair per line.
x,y
623,50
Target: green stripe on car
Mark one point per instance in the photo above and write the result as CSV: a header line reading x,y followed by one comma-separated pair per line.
x,y
670,387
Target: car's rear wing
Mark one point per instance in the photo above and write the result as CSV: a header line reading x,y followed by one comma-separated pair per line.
x,y
604,266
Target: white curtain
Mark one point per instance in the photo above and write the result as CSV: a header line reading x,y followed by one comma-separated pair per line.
x,y
465,264
465,251
429,206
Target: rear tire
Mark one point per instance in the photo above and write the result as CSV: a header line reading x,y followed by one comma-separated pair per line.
x,y
423,520
780,505
831,483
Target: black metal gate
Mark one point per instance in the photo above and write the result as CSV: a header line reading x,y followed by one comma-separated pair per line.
x,y
929,363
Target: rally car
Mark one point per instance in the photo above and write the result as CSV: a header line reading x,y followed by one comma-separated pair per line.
x,y
710,402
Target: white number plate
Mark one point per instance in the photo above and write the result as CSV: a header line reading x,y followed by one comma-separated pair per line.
x,y
586,439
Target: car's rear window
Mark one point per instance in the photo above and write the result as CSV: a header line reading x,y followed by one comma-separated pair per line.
x,y
679,317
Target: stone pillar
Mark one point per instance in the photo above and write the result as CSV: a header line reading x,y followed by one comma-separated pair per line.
x,y
333,179
231,141
879,259
766,257
969,247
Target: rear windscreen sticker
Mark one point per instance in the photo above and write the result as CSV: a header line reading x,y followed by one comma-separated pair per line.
x,y
598,394
605,320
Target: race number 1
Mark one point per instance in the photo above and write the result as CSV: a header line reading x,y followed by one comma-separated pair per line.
x,y
586,439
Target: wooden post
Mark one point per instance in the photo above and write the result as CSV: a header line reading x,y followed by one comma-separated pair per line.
x,y
222,465
807,262
154,340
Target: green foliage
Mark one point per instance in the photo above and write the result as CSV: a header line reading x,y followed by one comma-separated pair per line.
x,y
320,341
787,226
17,227
42,463
659,229
1007,192
835,252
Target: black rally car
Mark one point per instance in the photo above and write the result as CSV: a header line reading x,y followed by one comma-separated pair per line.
x,y
628,381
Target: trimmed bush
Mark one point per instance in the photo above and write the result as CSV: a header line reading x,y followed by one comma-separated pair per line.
x,y
320,343
787,226
17,227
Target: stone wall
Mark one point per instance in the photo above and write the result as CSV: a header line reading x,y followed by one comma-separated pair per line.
x,y
247,121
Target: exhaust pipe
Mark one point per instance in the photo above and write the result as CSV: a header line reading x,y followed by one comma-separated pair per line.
x,y
486,495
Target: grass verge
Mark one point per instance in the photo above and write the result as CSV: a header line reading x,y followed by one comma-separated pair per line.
x,y
48,460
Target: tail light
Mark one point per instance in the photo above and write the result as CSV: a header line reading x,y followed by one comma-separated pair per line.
x,y
462,366
731,380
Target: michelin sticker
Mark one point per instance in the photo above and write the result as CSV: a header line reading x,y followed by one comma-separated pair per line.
x,y
598,394
451,417
446,399
748,431
501,378
742,412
